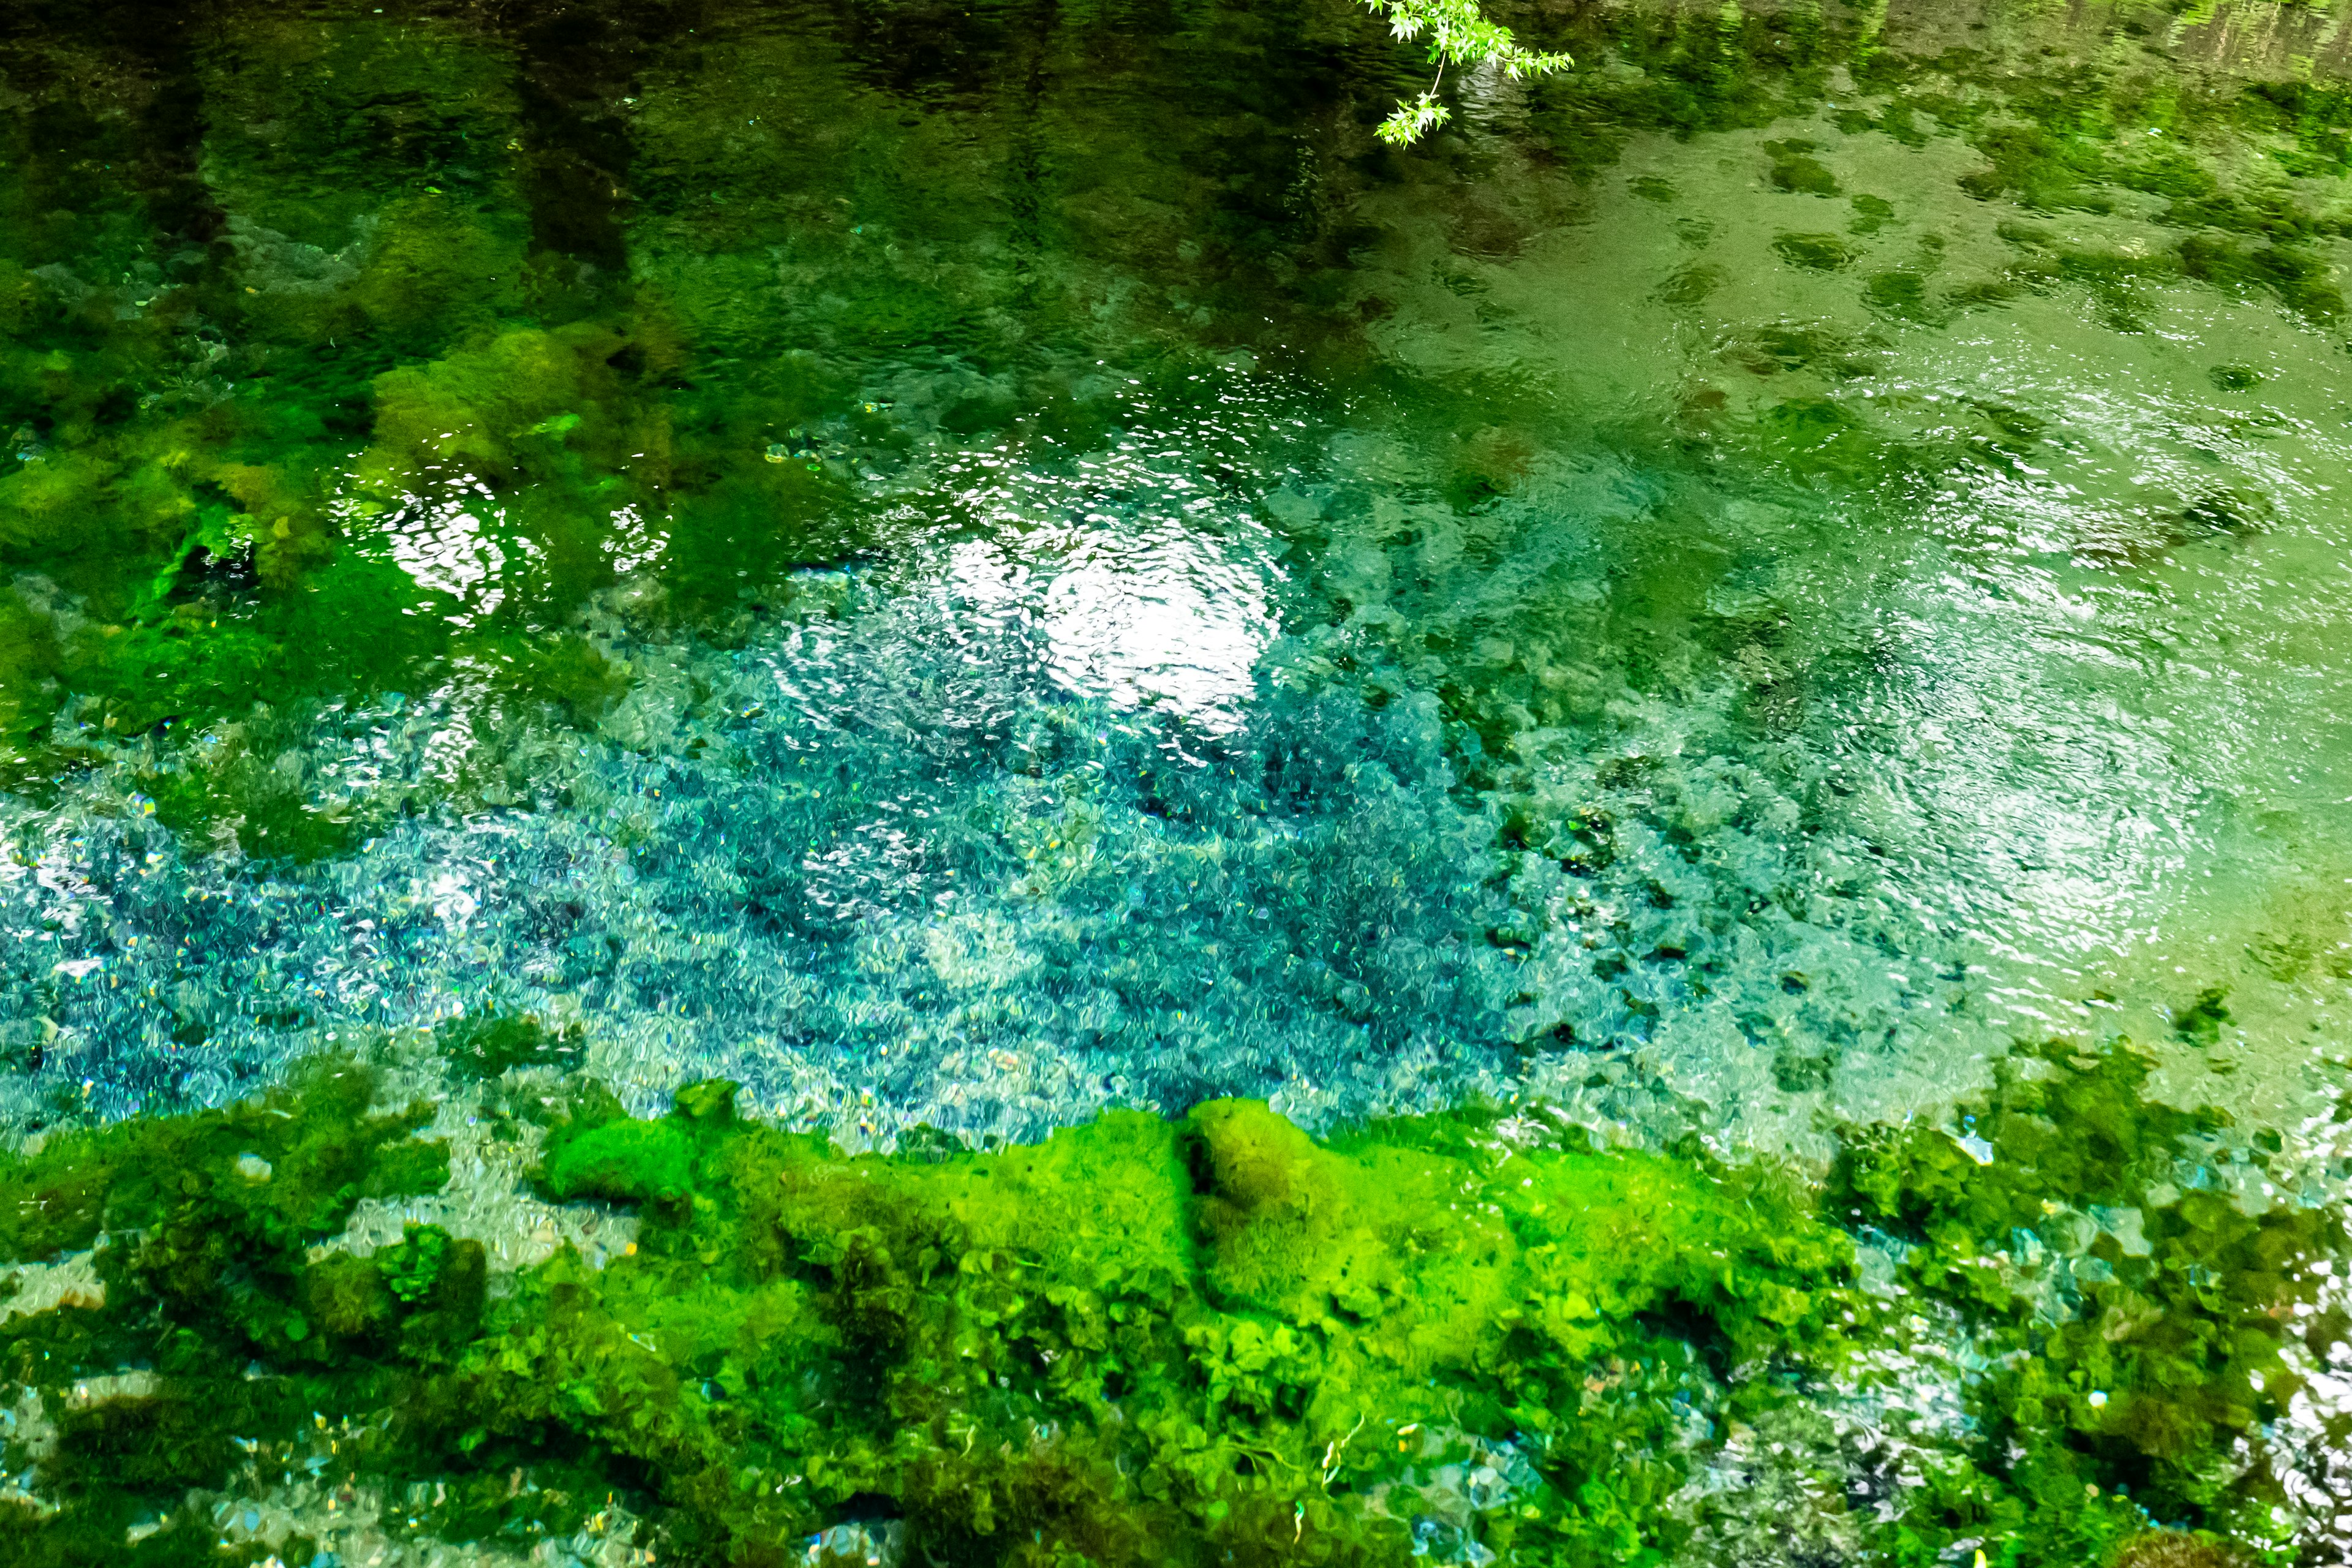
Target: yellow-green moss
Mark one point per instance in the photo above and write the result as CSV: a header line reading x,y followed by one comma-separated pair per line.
x,y
1206,1340
1216,1340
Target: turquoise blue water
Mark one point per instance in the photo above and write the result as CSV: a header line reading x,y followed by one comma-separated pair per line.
x,y
1049,813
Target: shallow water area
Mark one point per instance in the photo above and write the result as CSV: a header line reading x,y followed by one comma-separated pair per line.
x,y
1773,602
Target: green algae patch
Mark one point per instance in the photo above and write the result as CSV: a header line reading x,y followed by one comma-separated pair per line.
x,y
2152,1296
486,1043
292,1161
1211,1339
204,1225
1206,1340
1203,1341
1409,1244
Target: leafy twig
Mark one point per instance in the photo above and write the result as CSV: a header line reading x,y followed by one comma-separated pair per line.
x,y
1459,34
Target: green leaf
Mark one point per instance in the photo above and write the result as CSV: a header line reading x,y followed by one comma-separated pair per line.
x,y
1459,34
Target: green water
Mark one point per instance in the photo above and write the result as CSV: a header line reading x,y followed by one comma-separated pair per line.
x,y
1775,602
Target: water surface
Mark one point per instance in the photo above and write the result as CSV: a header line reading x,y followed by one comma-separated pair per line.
x,y
967,567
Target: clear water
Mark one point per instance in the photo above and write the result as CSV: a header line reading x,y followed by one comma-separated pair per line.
x,y
1268,554
968,566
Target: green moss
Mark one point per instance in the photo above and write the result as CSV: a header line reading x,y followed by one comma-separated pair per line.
x,y
1214,1340
235,783
528,404
437,268
1794,168
1900,294
1205,1336
2200,1022
1814,252
1206,1340
2298,278
1871,213
319,1152
2175,1304
207,1221
489,1043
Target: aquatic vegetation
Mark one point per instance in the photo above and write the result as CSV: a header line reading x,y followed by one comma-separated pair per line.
x,y
1195,1338
2177,1289
1211,1339
291,1162
1214,1336
239,436
998,577
489,1044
